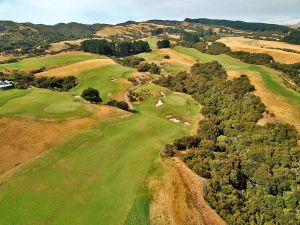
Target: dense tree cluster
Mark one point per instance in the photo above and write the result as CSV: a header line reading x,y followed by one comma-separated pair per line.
x,y
252,58
240,25
115,48
163,43
53,83
253,170
192,37
293,37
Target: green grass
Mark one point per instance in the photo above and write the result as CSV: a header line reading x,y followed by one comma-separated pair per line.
x,y
101,79
98,176
269,76
47,61
40,103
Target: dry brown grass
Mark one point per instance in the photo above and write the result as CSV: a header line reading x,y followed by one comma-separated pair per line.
x,y
284,111
178,198
140,29
3,58
76,68
59,46
176,57
27,28
261,46
24,138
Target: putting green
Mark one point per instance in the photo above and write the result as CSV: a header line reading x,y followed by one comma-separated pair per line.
x,y
175,100
40,103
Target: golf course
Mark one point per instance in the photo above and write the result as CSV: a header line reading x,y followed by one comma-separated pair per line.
x,y
98,175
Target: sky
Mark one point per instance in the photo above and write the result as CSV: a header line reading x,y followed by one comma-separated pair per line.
x,y
117,11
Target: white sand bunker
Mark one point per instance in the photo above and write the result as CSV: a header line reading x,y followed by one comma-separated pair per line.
x,y
174,120
162,94
77,97
187,123
159,103
113,79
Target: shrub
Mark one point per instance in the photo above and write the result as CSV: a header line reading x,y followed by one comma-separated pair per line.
x,y
119,104
163,44
92,95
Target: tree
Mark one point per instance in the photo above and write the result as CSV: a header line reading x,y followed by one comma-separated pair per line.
x,y
163,44
92,95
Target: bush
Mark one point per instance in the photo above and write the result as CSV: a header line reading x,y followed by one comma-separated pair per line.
x,y
217,48
130,61
163,44
146,67
119,104
92,95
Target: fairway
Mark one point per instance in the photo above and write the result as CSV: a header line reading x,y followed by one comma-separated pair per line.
x,y
269,79
49,61
98,176
108,79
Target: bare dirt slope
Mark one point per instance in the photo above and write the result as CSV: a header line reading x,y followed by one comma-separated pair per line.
x,y
178,198
76,68
261,46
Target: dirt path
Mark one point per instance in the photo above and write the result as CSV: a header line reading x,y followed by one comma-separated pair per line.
x,y
178,198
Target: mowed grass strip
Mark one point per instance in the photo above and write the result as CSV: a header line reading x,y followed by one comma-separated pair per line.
x,y
49,61
96,177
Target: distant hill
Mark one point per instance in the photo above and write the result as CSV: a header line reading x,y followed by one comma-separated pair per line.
x,y
31,38
240,25
28,38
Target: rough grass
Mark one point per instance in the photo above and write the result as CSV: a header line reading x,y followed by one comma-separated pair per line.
x,y
97,176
